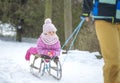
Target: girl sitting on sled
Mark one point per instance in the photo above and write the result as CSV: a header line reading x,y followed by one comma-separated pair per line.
x,y
48,43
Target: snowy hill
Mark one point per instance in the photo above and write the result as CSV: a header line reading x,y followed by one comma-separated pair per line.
x,y
77,66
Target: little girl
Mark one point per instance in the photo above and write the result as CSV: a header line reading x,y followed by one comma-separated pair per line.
x,y
48,43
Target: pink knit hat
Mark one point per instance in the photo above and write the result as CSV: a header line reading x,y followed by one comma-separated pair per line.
x,y
48,26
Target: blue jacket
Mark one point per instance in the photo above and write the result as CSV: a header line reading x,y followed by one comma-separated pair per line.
x,y
108,10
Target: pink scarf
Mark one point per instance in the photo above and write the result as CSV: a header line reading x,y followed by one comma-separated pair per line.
x,y
48,39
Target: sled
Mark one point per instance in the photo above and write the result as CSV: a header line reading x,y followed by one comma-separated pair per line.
x,y
45,65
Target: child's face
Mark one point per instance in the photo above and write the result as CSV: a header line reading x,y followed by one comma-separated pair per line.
x,y
51,33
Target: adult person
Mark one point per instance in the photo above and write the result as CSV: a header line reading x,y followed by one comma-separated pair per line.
x,y
106,15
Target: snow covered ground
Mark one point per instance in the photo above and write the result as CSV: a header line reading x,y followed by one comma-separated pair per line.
x,y
77,66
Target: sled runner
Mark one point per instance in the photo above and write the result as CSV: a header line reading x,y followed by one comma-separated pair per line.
x,y
46,64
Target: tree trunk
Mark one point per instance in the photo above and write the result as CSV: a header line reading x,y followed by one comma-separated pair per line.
x,y
67,19
48,8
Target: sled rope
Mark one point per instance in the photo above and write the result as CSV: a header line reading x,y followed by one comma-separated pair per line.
x,y
75,33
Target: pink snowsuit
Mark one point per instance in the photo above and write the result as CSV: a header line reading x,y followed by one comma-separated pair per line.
x,y
43,49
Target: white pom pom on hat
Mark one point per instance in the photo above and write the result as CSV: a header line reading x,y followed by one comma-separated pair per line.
x,y
48,26
47,21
